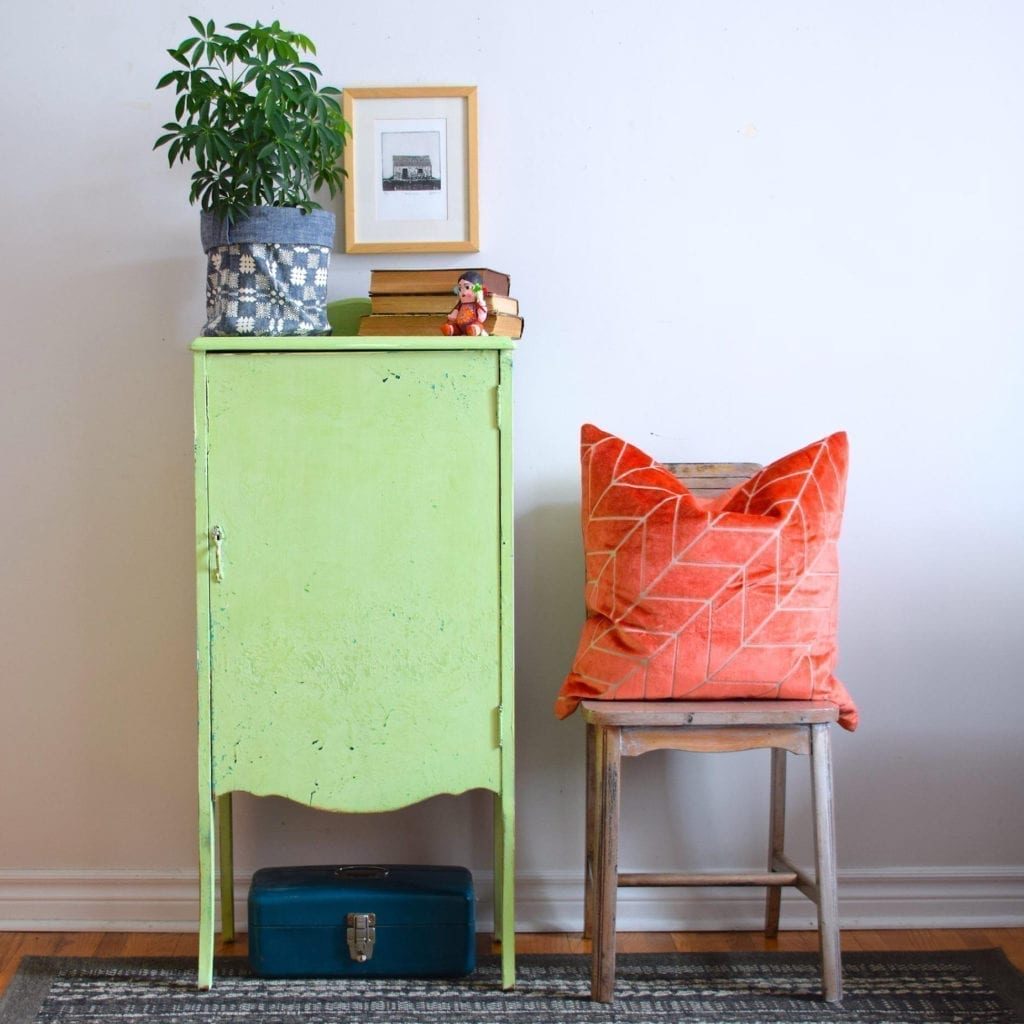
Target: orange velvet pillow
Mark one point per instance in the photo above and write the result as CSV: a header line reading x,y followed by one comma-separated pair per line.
x,y
691,599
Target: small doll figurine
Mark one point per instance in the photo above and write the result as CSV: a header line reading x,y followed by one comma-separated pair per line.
x,y
469,314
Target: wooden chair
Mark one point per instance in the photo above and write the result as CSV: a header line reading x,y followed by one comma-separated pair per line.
x,y
617,729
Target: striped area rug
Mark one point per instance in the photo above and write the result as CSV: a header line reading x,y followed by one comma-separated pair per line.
x,y
977,986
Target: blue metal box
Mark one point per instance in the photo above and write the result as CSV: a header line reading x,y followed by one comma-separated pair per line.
x,y
362,921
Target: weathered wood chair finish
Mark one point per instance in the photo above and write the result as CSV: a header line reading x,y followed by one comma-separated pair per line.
x,y
618,729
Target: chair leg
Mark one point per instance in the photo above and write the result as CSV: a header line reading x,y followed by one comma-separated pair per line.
x,y
825,863
591,839
608,761
776,840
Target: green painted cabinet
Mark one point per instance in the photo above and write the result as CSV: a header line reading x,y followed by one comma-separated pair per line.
x,y
354,570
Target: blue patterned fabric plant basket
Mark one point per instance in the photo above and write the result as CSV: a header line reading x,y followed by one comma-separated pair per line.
x,y
267,273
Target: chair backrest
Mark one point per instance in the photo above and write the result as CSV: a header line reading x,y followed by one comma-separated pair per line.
x,y
710,479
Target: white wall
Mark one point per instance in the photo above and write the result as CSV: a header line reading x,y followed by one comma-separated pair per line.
x,y
733,227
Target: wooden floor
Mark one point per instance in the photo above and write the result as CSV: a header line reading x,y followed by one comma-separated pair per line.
x,y
15,945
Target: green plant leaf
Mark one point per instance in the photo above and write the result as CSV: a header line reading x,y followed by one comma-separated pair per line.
x,y
252,119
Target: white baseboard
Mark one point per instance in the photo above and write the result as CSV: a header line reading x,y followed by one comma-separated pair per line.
x,y
986,897
976,897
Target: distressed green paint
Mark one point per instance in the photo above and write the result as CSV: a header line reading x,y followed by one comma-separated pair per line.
x,y
206,813
504,804
357,649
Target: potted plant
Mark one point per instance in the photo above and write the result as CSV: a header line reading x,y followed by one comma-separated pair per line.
x,y
263,136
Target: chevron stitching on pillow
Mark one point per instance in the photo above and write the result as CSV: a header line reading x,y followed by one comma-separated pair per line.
x,y
693,599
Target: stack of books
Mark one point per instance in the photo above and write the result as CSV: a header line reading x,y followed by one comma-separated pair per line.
x,y
412,302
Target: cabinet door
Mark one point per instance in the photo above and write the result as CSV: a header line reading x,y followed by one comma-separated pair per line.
x,y
355,628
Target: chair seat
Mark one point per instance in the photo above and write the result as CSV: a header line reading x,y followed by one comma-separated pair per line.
x,y
666,713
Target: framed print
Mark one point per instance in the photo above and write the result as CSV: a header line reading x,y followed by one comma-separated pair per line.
x,y
412,170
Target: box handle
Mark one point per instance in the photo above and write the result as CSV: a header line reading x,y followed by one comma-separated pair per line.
x,y
363,871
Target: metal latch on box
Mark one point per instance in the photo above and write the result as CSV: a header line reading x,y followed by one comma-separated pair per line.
x,y
361,932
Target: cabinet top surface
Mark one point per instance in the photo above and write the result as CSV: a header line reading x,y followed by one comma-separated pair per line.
x,y
332,343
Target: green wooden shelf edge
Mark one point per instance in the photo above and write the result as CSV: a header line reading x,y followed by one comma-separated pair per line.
x,y
344,315
331,343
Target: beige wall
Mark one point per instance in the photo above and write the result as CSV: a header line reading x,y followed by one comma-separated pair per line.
x,y
733,228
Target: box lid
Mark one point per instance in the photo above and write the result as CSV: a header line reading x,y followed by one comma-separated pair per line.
x,y
323,895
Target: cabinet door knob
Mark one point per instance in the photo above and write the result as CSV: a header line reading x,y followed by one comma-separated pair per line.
x,y
217,535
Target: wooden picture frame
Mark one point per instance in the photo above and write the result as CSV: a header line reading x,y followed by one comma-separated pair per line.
x,y
412,169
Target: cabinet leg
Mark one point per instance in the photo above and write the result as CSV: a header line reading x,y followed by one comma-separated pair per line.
x,y
227,868
504,888
206,892
499,873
